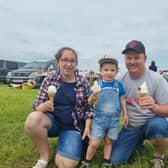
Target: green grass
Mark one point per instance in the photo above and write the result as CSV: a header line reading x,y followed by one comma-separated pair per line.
x,y
16,149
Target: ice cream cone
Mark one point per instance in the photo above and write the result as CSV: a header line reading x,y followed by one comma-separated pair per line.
x,y
142,94
143,90
96,89
51,93
51,97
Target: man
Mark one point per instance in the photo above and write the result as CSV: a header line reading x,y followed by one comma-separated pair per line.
x,y
147,104
153,66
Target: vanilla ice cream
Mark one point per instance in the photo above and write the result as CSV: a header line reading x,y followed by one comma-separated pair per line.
x,y
96,87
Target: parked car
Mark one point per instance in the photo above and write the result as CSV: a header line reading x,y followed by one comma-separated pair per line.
x,y
164,73
35,71
7,66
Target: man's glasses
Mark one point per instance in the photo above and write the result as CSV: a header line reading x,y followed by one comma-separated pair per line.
x,y
66,60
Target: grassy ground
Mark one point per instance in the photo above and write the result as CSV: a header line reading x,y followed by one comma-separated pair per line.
x,y
16,149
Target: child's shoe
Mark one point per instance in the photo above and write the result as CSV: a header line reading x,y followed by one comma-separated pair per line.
x,y
157,162
106,165
85,165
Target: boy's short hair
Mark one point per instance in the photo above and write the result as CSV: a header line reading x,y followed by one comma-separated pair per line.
x,y
108,60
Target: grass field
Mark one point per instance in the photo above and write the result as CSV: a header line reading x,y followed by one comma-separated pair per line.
x,y
16,149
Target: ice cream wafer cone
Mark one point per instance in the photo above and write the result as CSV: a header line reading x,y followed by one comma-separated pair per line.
x,y
51,93
96,89
143,90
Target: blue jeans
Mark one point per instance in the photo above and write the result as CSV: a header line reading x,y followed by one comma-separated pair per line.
x,y
69,142
130,139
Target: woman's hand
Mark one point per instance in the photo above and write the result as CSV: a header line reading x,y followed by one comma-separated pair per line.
x,y
86,133
87,129
45,107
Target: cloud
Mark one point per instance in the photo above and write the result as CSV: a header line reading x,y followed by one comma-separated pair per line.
x,y
37,29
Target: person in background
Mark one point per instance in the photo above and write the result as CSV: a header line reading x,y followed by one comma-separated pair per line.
x,y
60,118
147,105
107,111
153,66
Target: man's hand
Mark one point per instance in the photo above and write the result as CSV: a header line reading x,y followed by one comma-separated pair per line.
x,y
147,102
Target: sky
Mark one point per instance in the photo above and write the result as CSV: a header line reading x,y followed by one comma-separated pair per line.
x,y
34,30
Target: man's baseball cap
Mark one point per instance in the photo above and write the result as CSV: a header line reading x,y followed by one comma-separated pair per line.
x,y
134,45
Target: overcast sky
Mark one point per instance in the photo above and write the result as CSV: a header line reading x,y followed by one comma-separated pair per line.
x,y
35,29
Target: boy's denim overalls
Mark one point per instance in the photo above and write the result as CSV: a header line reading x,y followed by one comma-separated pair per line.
x,y
107,113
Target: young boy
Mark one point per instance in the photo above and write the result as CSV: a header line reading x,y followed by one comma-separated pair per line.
x,y
110,94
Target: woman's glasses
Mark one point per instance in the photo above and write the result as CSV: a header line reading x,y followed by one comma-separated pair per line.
x,y
66,60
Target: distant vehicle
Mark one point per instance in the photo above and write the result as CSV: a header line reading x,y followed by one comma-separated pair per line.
x,y
164,73
35,71
7,66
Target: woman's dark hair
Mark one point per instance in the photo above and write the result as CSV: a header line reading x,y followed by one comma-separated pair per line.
x,y
106,60
61,50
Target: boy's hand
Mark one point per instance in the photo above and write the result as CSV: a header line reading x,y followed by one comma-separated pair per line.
x,y
125,122
93,98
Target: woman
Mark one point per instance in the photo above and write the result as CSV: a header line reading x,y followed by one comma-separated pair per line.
x,y
62,117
